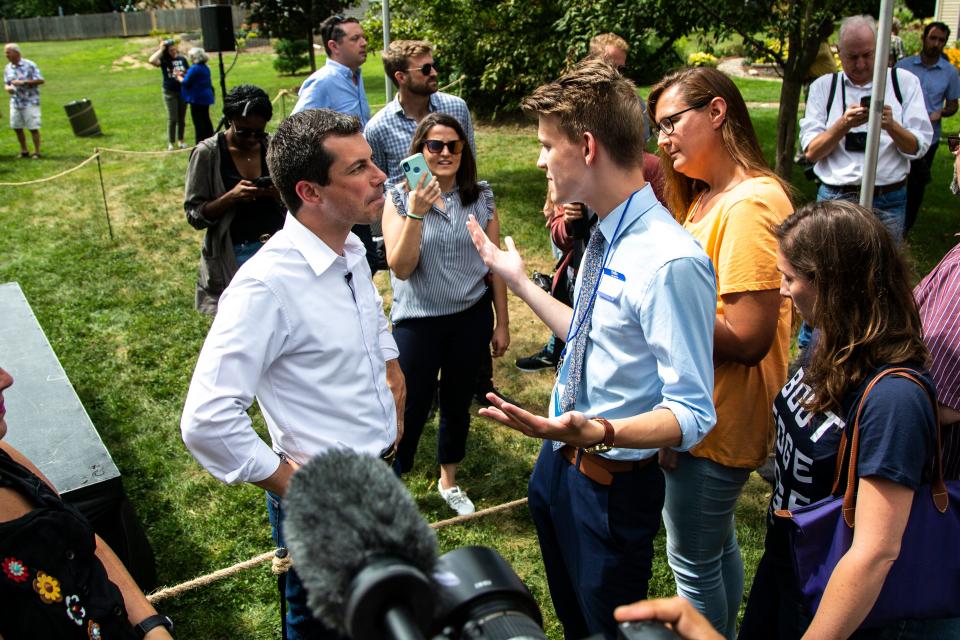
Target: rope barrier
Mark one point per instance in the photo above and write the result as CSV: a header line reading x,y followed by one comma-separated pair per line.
x,y
48,179
280,94
131,152
281,565
99,151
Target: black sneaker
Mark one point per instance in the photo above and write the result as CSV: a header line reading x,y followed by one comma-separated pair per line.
x,y
543,360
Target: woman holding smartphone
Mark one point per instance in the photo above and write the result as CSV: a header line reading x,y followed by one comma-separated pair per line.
x,y
441,313
174,67
229,194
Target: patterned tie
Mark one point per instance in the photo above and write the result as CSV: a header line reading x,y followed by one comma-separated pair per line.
x,y
591,266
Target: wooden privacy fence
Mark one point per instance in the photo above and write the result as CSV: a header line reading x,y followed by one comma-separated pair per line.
x,y
106,25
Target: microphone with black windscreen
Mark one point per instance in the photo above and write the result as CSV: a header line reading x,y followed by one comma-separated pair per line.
x,y
360,547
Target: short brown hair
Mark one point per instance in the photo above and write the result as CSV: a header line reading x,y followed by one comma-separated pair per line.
x,y
398,54
592,96
600,42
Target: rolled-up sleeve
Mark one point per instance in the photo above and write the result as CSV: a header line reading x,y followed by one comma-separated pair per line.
x,y
677,320
248,333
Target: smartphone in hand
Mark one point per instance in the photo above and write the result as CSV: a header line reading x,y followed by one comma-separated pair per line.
x,y
414,168
865,102
263,182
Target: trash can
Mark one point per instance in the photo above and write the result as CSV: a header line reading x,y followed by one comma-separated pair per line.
x,y
83,119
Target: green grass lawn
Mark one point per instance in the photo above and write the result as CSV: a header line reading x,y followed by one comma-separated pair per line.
x,y
119,315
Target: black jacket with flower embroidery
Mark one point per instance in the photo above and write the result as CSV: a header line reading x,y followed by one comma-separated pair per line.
x,y
51,584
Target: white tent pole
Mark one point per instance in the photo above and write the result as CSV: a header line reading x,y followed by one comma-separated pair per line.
x,y
882,55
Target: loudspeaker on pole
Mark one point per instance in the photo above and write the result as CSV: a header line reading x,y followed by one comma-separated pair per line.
x,y
216,23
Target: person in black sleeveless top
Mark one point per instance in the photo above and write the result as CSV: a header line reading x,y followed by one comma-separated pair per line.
x,y
59,577
229,194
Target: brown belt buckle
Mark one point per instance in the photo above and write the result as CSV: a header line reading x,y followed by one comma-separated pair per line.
x,y
264,237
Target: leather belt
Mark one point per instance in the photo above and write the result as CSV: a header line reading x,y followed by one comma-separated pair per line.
x,y
855,188
598,468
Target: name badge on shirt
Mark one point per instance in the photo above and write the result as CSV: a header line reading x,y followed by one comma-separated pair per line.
x,y
611,285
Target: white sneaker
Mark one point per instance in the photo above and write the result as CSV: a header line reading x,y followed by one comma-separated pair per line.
x,y
180,145
457,499
169,147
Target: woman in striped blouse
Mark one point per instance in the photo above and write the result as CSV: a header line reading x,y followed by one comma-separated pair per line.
x,y
441,313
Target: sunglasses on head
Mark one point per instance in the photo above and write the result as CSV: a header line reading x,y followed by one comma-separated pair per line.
x,y
248,133
436,146
426,69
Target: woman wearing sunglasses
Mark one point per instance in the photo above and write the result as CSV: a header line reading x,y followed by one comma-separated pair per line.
x,y
229,194
718,184
441,313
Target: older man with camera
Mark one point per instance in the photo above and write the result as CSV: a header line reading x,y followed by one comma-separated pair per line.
x,y
833,131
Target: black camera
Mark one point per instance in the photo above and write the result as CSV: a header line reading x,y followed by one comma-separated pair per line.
x,y
542,281
473,594
855,141
372,571
263,182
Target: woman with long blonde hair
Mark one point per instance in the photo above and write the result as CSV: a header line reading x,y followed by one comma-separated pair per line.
x,y
719,186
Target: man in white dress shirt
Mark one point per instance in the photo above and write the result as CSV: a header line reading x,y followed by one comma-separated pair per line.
x,y
301,328
833,131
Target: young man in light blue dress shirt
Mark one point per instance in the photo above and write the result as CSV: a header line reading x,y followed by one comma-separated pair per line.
x,y
338,85
639,354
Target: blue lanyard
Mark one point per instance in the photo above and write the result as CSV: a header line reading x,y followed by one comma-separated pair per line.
x,y
571,332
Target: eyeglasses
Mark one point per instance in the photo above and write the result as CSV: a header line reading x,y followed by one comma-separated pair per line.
x,y
426,69
259,134
666,124
436,146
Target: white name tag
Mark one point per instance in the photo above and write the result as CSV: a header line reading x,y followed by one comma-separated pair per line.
x,y
611,285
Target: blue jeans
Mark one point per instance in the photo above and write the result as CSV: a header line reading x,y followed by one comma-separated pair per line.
x,y
891,207
299,622
245,251
702,544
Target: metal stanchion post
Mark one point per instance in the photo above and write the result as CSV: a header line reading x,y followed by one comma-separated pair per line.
x,y
106,211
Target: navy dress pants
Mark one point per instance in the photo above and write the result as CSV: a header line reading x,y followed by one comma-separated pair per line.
x,y
596,540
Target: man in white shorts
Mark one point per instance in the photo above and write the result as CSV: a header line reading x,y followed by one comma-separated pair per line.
x,y
22,79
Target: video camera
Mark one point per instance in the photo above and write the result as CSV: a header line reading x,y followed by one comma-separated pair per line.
x,y
369,564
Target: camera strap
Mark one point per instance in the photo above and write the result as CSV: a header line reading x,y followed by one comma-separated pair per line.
x,y
894,80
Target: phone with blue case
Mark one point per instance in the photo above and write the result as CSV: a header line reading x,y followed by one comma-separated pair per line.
x,y
414,168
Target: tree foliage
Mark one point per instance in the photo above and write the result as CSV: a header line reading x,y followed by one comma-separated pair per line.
x,y
41,8
295,19
503,49
787,31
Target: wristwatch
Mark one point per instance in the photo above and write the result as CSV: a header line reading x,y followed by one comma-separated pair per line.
x,y
149,624
608,435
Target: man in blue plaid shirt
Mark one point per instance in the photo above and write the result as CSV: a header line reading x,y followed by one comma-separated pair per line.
x,y
410,65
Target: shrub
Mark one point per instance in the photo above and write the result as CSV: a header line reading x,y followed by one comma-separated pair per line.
x,y
953,54
702,59
291,56
912,41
